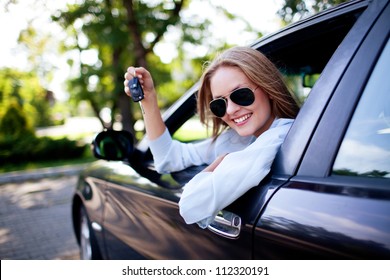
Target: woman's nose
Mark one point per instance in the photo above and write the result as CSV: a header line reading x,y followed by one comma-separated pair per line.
x,y
231,107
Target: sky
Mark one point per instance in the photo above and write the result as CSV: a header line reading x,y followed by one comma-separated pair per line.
x,y
261,14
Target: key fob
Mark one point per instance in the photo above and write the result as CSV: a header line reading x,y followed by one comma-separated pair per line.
x,y
137,94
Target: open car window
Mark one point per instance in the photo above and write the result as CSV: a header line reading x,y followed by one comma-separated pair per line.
x,y
192,130
301,55
302,52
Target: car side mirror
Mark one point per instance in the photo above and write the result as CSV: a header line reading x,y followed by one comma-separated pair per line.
x,y
113,145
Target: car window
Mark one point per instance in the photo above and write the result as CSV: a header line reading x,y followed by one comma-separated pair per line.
x,y
303,53
365,149
301,84
192,130
300,56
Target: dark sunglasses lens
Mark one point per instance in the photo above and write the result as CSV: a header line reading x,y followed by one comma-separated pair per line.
x,y
218,107
243,97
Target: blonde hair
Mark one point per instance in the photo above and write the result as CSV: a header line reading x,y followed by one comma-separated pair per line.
x,y
259,70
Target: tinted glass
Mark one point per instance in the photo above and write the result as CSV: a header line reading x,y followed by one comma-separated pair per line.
x,y
365,150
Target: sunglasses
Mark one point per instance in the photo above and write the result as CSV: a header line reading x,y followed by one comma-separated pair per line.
x,y
241,97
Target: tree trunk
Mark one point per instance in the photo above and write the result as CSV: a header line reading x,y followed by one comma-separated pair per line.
x,y
126,112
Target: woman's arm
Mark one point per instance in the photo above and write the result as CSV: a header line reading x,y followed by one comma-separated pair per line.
x,y
209,192
154,123
214,164
168,155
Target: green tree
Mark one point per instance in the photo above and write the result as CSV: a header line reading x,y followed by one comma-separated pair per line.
x,y
14,123
119,33
25,90
105,37
293,10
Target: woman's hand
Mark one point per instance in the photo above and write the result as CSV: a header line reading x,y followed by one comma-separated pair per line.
x,y
215,163
154,124
144,78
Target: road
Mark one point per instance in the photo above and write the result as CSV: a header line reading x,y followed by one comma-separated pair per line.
x,y
35,220
35,214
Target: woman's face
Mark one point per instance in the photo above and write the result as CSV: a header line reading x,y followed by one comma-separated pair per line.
x,y
246,120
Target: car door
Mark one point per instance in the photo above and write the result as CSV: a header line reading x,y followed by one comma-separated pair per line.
x,y
142,221
337,203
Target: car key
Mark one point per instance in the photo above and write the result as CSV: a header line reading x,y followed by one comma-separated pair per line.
x,y
137,93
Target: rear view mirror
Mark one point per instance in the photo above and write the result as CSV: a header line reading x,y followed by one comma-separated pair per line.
x,y
113,145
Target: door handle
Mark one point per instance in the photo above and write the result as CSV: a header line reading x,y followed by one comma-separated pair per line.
x,y
226,224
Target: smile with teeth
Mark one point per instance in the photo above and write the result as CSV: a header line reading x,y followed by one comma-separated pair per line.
x,y
242,119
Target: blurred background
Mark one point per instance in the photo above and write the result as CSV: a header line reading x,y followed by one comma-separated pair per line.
x,y
62,64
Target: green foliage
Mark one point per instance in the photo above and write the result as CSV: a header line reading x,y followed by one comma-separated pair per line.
x,y
14,123
29,148
372,173
124,33
23,90
293,10
19,144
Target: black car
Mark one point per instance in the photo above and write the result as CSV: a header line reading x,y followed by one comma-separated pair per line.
x,y
328,193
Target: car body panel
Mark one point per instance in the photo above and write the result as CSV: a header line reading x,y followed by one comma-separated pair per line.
x,y
137,209
329,221
90,194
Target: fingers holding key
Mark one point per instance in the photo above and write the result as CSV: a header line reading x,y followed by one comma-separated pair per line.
x,y
143,76
129,75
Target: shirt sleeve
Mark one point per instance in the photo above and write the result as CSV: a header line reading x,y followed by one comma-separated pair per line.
x,y
209,192
171,155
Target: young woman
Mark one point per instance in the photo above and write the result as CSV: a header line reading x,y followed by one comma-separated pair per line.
x,y
251,110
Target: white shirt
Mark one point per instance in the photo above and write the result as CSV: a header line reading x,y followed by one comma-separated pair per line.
x,y
248,161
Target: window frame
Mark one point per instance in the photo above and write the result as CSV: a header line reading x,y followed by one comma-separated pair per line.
x,y
323,148
294,150
364,125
